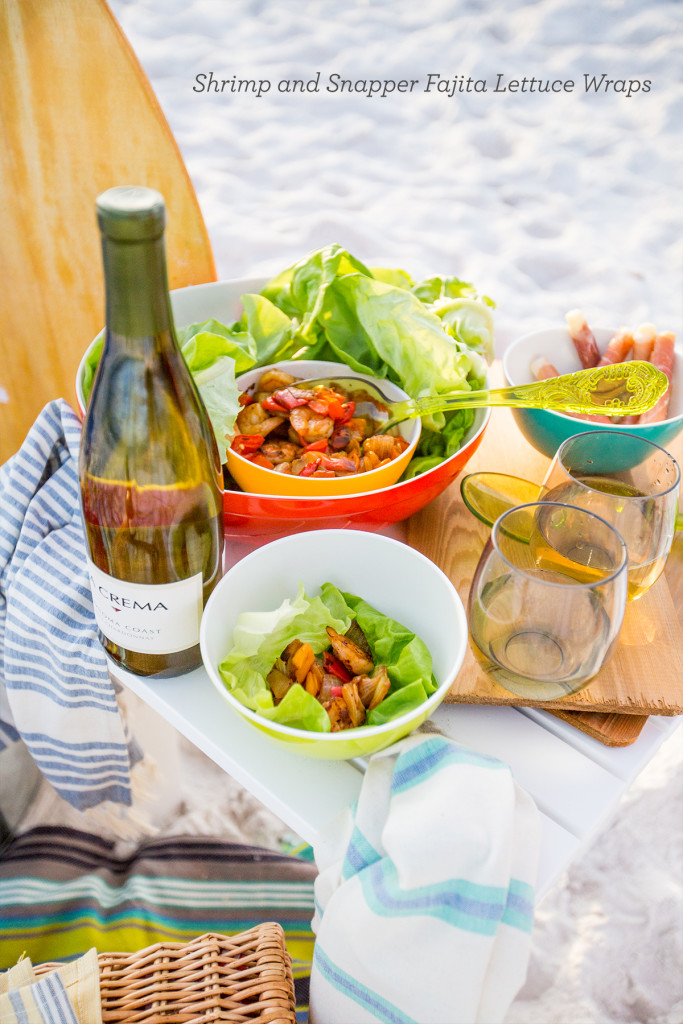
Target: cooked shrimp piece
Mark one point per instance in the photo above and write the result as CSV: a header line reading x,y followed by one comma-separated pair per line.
x,y
280,451
583,338
662,357
273,380
618,347
643,340
253,419
350,654
542,368
384,446
309,425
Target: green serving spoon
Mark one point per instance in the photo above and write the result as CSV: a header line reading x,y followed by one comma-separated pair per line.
x,y
619,389
488,495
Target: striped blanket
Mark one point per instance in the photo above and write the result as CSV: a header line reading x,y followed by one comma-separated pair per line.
x,y
63,892
55,691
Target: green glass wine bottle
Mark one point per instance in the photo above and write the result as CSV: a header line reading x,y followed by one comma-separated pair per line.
x,y
149,468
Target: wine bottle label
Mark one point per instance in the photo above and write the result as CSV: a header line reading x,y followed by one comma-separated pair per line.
x,y
148,618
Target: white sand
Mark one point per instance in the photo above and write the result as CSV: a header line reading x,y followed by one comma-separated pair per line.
x,y
546,202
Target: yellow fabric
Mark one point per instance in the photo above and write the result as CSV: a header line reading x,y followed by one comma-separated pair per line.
x,y
16,977
81,980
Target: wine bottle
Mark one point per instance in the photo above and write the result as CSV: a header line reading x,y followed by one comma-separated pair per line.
x,y
150,473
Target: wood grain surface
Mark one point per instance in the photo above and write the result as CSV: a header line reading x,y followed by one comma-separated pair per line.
x,y
77,115
645,675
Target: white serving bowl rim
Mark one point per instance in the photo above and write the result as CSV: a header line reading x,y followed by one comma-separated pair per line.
x,y
254,284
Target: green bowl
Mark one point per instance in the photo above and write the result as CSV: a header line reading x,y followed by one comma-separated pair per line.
x,y
391,576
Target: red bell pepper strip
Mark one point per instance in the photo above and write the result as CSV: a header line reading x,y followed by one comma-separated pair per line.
x,y
243,444
335,407
335,668
316,446
310,468
272,405
336,691
349,409
244,398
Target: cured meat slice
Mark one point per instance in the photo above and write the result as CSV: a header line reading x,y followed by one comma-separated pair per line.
x,y
662,357
583,338
618,347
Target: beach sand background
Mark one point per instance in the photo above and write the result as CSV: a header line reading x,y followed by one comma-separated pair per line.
x,y
546,201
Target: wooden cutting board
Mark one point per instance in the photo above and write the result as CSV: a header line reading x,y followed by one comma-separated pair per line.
x,y
645,675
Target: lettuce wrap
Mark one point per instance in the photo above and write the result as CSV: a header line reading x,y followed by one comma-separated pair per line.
x,y
259,638
429,337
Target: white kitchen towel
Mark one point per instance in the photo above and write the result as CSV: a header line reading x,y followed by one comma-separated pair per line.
x,y
55,690
425,897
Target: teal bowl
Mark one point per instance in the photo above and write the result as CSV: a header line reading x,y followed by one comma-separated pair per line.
x,y
547,430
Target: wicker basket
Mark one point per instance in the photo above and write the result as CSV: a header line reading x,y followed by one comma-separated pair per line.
x,y
239,978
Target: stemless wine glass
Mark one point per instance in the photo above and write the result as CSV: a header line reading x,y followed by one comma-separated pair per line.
x,y
630,482
547,599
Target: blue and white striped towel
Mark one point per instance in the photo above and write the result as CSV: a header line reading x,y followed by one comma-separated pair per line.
x,y
55,690
425,898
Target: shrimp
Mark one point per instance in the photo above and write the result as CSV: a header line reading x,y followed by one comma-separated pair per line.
x,y
273,380
280,451
309,425
350,655
253,419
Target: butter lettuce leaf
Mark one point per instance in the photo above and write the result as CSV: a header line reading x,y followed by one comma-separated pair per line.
x,y
259,639
405,655
430,337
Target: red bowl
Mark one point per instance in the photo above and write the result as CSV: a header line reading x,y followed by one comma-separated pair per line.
x,y
263,517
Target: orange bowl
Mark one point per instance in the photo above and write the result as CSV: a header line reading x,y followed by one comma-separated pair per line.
x,y
259,480
258,517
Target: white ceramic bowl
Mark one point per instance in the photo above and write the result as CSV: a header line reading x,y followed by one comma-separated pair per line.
x,y
547,430
393,577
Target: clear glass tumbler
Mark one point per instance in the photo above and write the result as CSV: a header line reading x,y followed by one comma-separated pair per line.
x,y
630,482
547,599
